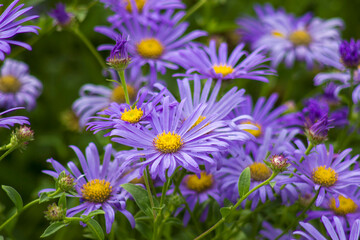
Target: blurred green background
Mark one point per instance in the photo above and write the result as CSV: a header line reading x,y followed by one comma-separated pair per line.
x,y
63,64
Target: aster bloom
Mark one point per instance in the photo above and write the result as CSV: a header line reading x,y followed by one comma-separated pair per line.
x,y
197,189
170,142
9,27
17,87
119,58
7,122
95,98
118,114
327,173
209,64
347,211
98,186
308,39
240,159
350,53
336,232
152,44
60,15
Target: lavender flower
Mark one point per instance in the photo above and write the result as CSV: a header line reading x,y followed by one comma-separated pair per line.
x,y
307,39
17,87
99,185
60,15
350,53
318,132
7,122
325,172
119,58
9,27
152,44
336,232
210,64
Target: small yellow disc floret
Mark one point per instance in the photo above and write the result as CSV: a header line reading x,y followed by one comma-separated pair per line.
x,y
300,37
199,184
118,94
9,84
323,176
255,133
223,69
96,191
347,205
139,5
168,142
259,171
132,115
150,48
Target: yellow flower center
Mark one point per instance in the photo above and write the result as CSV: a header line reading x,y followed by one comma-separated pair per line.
x,y
346,206
132,115
300,37
118,94
168,142
277,34
150,48
223,69
9,84
69,119
199,184
139,5
259,171
255,133
323,176
96,191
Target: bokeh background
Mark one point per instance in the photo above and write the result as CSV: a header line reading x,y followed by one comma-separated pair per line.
x,y
63,64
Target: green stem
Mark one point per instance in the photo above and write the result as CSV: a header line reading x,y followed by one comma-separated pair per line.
x,y
73,219
89,45
266,182
192,10
146,180
124,86
18,213
296,221
8,152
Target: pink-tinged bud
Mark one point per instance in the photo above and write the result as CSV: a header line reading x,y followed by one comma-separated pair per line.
x,y
279,162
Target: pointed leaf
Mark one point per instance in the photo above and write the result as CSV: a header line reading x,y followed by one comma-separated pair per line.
x,y
225,211
93,213
140,196
53,228
14,196
244,182
62,201
96,229
272,184
44,197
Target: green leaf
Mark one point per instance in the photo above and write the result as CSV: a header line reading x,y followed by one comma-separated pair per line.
x,y
96,229
272,184
140,196
14,196
244,182
44,197
225,211
62,201
174,221
53,228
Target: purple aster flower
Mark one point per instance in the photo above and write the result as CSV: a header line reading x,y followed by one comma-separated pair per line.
x,y
210,64
169,142
9,27
7,122
336,232
350,53
307,39
118,114
325,172
99,184
95,98
240,159
268,232
60,15
152,44
318,132
347,211
197,189
17,87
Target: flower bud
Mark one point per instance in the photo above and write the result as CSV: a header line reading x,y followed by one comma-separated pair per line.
x,y
350,53
119,58
55,213
279,163
318,132
65,182
60,15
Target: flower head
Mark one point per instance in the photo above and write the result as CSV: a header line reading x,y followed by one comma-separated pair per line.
x,y
9,27
209,64
99,184
17,87
350,53
60,15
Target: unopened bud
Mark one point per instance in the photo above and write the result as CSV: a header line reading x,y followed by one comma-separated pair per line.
x,y
119,59
55,213
279,162
65,182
